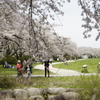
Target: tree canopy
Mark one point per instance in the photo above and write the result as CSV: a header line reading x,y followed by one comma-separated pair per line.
x,y
91,16
24,25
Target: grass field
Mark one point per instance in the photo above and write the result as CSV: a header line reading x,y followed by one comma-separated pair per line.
x,y
77,65
13,71
89,84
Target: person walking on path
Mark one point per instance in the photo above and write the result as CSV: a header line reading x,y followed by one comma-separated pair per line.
x,y
28,66
19,69
46,64
19,65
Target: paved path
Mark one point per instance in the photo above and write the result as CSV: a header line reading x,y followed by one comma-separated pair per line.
x,y
59,72
62,72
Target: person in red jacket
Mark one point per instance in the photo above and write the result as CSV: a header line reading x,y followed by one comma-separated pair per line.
x,y
19,65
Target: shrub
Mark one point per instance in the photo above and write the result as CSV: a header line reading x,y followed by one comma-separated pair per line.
x,y
55,58
6,82
25,57
2,60
33,59
84,71
10,59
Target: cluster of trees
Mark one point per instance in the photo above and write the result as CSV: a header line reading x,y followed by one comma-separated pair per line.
x,y
55,46
25,29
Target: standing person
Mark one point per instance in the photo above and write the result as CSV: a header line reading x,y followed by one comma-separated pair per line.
x,y
46,64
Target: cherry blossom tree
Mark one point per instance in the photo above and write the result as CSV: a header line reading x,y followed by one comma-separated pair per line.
x,y
26,24
91,16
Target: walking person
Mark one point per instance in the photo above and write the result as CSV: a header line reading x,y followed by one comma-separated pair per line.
x,y
46,64
19,65
28,66
19,69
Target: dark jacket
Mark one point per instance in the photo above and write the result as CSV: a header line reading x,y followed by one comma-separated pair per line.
x,y
46,63
30,67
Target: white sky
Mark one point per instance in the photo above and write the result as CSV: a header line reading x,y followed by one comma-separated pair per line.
x,y
72,26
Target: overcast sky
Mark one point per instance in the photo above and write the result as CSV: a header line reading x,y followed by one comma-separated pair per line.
x,y
72,21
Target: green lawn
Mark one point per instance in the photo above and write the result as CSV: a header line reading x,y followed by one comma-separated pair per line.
x,y
77,65
13,71
88,85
